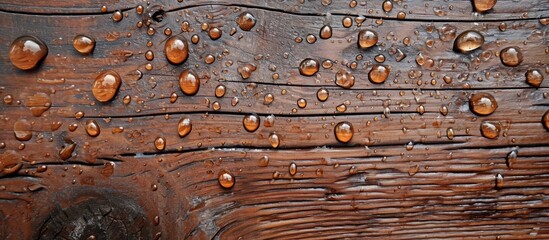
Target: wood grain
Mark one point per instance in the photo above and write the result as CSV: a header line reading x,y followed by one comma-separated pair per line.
x,y
402,176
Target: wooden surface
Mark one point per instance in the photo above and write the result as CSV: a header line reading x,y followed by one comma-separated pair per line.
x,y
402,176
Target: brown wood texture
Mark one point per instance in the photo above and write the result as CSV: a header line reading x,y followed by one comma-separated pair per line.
x,y
407,173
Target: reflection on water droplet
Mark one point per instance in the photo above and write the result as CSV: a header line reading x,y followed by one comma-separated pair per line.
x,y
226,179
22,130
92,128
27,52
184,127
176,50
83,44
246,21
367,39
468,41
344,132
189,83
309,67
482,104
251,122
160,143
511,56
490,130
106,86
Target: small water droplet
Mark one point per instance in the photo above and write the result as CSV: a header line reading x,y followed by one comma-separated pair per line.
x,y
117,16
268,99
83,44
309,67
301,103
220,91
468,41
378,74
92,128
534,77
410,146
482,6
413,170
344,131
246,21
274,140
27,52
511,56
292,169
251,122
367,38
22,130
499,181
184,127
226,179
511,158
490,130
387,6
482,104
322,94
325,32
344,79
189,83
106,86
450,133
447,32
215,33
160,143
176,50
264,161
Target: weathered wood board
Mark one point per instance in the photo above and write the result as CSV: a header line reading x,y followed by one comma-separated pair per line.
x,y
421,164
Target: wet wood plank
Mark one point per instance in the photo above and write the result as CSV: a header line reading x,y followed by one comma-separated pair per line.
x,y
418,164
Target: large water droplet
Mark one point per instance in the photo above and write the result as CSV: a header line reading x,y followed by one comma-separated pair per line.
x,y
27,52
309,67
22,130
367,38
92,128
106,86
189,82
447,32
483,5
534,77
482,104
176,50
251,122
511,56
490,130
468,41
325,32
83,44
344,79
67,150
226,179
184,127
344,131
246,21
378,74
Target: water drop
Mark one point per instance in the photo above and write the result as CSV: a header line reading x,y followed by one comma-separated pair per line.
x,y
269,121
510,56
22,130
450,133
67,150
367,38
226,179
387,6
545,120
117,16
401,15
251,122
344,131
301,103
499,181
534,77
490,130
322,94
184,127
268,99
344,79
482,6
447,32
189,83
149,55
511,158
27,52
378,74
176,50
413,170
92,128
246,70
309,67
220,91
215,33
325,32
264,161
106,86
292,169
160,143
274,140
246,21
468,41
482,104
347,22
83,44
